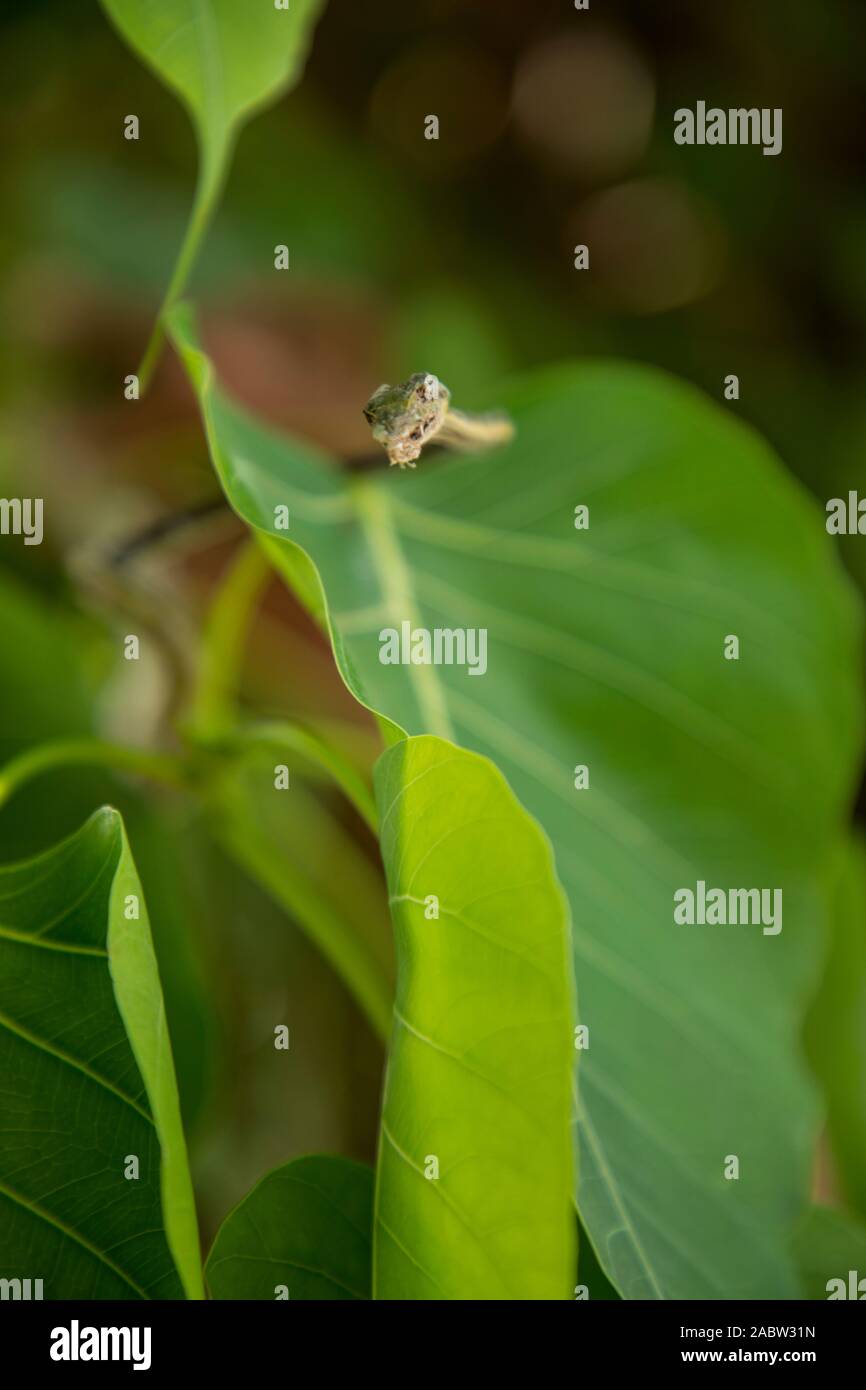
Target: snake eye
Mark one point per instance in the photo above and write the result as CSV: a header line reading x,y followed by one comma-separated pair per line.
x,y
427,388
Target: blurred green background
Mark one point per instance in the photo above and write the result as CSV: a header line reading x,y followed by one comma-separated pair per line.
x,y
456,257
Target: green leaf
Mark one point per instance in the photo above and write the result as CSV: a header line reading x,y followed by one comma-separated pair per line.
x,y
225,61
836,1029
170,854
479,1069
88,1082
606,649
306,1226
828,1245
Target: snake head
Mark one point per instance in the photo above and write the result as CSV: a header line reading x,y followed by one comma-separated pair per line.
x,y
403,418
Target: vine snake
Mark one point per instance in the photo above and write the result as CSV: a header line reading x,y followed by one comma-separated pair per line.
x,y
406,417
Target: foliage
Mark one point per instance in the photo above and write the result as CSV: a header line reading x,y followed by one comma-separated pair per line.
x,y
616,662
533,825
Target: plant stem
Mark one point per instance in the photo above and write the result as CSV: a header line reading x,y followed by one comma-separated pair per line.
x,y
159,767
223,642
208,185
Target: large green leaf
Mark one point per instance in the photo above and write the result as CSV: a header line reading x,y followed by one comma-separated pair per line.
x,y
88,1082
306,1227
606,649
836,1029
474,1179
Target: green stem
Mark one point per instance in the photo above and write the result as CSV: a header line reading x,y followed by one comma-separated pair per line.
x,y
208,186
212,719
223,642
159,767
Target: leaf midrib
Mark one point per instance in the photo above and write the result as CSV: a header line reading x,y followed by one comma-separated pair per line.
x,y
446,1201
398,596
